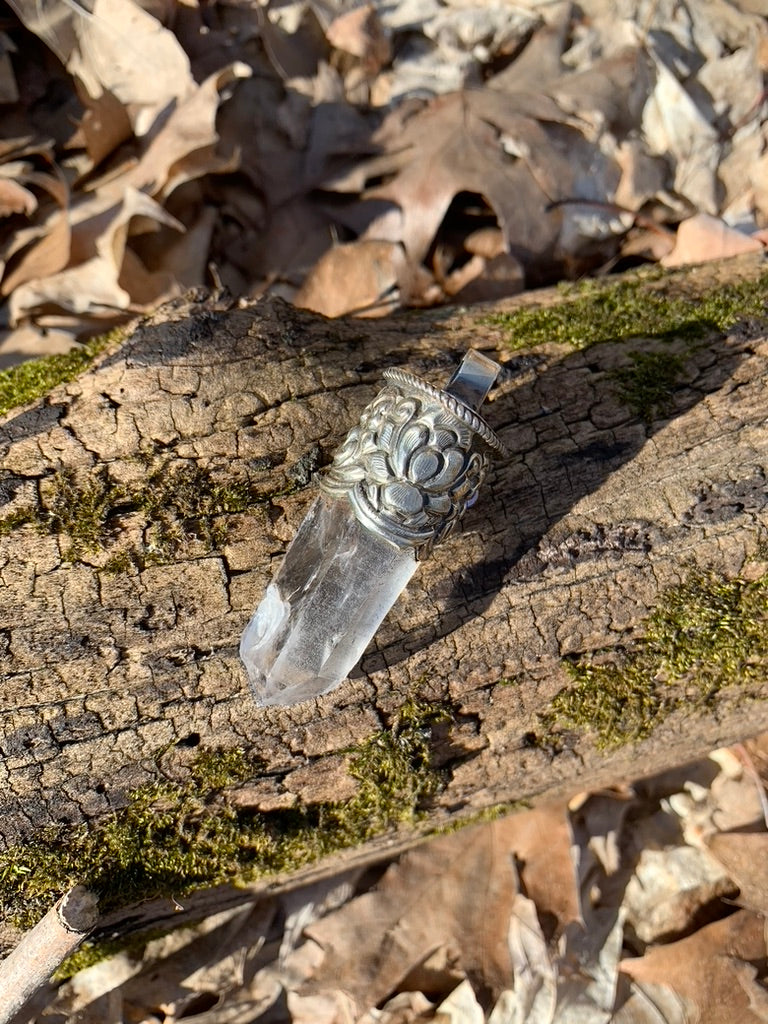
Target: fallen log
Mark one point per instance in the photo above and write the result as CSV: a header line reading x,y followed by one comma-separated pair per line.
x,y
600,615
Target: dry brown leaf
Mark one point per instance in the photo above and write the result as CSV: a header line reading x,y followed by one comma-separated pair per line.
x,y
360,33
702,237
500,277
542,845
404,1008
454,894
14,198
731,802
704,968
436,977
608,94
24,146
745,857
104,125
756,993
9,92
485,242
184,257
455,281
336,132
536,162
535,973
271,157
296,236
761,189
452,146
181,147
332,1007
649,243
675,127
94,285
456,891
145,287
460,1007
364,277
653,1004
540,62
642,176
77,260
116,47
43,248
757,751
669,889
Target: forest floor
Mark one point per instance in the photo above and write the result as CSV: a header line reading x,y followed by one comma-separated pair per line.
x,y
639,904
358,160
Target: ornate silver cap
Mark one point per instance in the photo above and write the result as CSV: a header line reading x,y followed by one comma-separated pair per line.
x,y
416,460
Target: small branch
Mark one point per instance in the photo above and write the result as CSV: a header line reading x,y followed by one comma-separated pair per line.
x,y
44,948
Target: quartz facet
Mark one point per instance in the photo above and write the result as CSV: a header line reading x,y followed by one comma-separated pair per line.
x,y
336,584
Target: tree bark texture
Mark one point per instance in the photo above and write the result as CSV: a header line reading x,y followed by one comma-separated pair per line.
x,y
117,659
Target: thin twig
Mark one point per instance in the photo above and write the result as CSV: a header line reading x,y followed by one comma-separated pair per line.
x,y
43,949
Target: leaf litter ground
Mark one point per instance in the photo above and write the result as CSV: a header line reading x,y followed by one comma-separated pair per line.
x,y
641,904
358,159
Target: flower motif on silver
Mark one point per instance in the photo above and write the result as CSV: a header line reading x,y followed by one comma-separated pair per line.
x,y
408,468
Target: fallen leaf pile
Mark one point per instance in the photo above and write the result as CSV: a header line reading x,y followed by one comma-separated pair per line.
x,y
357,159
636,905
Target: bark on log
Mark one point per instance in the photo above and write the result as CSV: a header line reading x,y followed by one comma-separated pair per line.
x,y
118,662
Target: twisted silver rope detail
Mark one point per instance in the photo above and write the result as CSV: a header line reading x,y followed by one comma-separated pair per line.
x,y
454,406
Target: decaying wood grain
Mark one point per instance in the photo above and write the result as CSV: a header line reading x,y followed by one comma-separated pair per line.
x,y
111,676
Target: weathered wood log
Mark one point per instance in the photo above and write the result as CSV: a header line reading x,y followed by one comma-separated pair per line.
x,y
147,501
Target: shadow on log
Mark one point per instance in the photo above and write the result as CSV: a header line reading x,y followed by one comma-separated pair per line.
x,y
146,503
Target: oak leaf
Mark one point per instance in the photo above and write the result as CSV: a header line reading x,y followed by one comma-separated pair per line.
x,y
704,968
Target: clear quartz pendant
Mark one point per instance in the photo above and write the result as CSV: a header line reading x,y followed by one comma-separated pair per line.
x,y
398,485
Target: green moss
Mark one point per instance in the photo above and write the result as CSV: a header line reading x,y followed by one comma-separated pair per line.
x,y
173,838
188,503
89,952
27,381
119,563
179,506
648,384
483,817
16,519
85,514
86,955
707,634
633,307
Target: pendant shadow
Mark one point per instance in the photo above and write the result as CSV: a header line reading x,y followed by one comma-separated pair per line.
x,y
568,424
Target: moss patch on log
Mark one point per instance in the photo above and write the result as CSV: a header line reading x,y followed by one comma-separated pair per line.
x,y
173,838
648,383
36,377
648,304
180,505
707,634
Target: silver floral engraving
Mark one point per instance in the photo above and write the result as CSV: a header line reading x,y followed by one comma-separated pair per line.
x,y
409,468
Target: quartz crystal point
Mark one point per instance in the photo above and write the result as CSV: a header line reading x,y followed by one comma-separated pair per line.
x,y
399,484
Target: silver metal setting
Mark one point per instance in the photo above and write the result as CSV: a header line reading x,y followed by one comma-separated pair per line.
x,y
409,468
454,405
